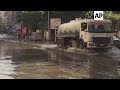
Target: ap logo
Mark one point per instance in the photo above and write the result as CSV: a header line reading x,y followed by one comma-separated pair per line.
x,y
98,15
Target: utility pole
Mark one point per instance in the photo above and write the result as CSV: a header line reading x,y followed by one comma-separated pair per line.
x,y
49,24
48,21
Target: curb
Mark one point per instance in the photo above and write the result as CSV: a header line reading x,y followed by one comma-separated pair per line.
x,y
26,43
21,42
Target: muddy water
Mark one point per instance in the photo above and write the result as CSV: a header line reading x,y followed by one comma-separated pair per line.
x,y
18,61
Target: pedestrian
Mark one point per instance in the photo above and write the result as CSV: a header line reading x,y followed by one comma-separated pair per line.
x,y
19,35
24,33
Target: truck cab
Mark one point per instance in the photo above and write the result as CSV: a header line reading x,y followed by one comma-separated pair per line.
x,y
96,34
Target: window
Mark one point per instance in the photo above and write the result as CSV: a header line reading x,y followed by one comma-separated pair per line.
x,y
83,26
101,27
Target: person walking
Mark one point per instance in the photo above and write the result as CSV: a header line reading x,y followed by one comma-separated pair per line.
x,y
19,35
24,33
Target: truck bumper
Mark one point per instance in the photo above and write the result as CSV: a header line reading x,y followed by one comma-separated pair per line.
x,y
92,45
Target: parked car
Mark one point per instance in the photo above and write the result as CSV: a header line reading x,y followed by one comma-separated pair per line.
x,y
116,42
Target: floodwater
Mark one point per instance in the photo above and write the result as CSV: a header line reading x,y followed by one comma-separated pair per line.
x,y
18,61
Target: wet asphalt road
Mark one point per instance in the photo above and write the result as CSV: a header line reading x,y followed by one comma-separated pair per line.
x,y
18,61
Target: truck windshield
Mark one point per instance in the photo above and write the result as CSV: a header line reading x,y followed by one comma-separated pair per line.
x,y
100,28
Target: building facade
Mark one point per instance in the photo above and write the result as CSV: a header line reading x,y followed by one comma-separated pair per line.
x,y
10,17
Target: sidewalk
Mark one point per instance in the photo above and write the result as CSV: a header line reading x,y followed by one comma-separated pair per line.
x,y
41,44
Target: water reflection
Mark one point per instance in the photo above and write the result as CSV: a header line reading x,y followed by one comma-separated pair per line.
x,y
75,64
7,67
17,59
103,67
30,55
25,62
91,65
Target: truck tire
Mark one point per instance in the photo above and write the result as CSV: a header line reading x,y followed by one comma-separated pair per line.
x,y
66,43
80,44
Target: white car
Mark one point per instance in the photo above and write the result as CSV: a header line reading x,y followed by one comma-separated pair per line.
x,y
116,42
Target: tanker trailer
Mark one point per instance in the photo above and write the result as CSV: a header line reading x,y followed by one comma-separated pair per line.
x,y
86,33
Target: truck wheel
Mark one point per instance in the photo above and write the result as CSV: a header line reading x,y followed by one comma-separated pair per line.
x,y
66,43
80,45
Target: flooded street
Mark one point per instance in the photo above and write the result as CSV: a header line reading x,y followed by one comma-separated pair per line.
x,y
18,61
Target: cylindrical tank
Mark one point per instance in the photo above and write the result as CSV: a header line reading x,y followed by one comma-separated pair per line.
x,y
70,27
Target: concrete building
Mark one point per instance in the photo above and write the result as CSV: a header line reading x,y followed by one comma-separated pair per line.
x,y
9,17
2,22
